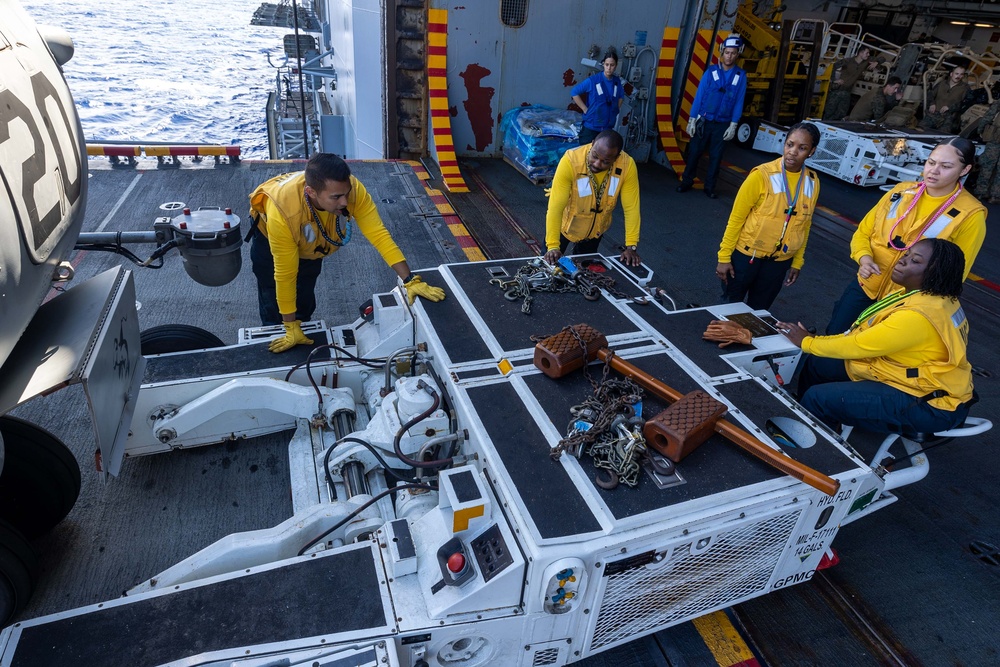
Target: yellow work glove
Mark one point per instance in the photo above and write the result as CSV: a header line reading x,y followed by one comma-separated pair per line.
x,y
417,287
726,333
293,336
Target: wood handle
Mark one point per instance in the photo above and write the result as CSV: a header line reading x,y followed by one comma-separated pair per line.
x,y
727,429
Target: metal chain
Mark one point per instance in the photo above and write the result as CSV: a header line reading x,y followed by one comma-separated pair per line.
x,y
614,439
538,276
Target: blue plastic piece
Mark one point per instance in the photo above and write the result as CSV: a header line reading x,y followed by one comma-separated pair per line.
x,y
570,266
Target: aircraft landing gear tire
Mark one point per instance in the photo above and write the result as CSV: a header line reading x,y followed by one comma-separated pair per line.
x,y
40,481
176,338
746,132
18,571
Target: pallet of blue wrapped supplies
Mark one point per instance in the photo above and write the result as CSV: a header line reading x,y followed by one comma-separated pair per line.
x,y
535,138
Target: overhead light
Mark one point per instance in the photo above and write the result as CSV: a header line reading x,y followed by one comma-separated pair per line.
x,y
960,23
984,25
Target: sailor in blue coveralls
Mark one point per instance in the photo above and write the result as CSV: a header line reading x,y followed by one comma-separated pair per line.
x,y
605,94
717,108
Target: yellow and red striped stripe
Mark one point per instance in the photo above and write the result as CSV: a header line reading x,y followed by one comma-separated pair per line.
x,y
457,228
664,108
154,151
701,55
113,149
437,90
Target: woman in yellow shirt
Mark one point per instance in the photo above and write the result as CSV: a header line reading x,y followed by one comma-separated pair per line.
x,y
765,239
938,207
902,365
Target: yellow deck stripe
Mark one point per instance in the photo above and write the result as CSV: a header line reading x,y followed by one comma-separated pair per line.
x,y
722,639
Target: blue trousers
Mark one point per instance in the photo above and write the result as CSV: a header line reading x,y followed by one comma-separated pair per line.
x,y
267,296
759,281
710,139
828,393
851,304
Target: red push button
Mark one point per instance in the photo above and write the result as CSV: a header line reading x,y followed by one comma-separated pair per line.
x,y
456,562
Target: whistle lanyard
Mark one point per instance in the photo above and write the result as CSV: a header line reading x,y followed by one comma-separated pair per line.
x,y
882,304
791,201
930,221
345,238
598,190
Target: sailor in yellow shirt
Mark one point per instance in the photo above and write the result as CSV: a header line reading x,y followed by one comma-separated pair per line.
x,y
302,217
589,180
764,244
939,207
902,366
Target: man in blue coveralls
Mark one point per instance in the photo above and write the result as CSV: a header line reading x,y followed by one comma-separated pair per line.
x,y
717,108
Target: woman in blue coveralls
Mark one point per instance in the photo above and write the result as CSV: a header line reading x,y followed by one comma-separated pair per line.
x,y
605,94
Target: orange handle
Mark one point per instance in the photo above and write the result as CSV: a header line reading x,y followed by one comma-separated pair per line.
x,y
727,429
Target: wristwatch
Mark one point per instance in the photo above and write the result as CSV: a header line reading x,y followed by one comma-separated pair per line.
x,y
630,247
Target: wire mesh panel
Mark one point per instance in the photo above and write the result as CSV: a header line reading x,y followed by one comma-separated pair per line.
x,y
830,154
513,13
696,577
547,656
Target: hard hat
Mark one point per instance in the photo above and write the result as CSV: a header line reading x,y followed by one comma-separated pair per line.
x,y
734,41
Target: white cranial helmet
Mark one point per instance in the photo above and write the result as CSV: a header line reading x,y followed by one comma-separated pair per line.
x,y
734,41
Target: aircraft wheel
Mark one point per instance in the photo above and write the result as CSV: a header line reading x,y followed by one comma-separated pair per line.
x,y
746,131
176,338
18,570
40,481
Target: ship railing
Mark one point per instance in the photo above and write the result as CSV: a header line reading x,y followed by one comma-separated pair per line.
x,y
166,154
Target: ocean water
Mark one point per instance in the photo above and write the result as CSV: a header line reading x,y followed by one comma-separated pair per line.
x,y
155,70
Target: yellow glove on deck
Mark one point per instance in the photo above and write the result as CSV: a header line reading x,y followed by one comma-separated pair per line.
x,y
293,336
417,287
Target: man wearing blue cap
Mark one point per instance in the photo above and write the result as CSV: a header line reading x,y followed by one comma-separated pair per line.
x,y
717,108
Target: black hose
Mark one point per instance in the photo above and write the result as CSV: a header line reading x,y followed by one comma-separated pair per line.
x,y
362,508
118,250
413,463
370,363
370,447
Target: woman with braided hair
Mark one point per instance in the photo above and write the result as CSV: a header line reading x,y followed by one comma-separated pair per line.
x,y
937,207
902,365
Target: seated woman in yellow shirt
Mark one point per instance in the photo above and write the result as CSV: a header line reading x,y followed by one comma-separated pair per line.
x,y
902,366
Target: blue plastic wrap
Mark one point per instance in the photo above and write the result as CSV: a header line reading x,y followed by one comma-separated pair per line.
x,y
535,138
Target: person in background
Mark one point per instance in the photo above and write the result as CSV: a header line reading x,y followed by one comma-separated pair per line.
x,y
764,243
300,218
846,73
988,180
877,102
716,110
937,207
589,180
902,366
944,108
605,95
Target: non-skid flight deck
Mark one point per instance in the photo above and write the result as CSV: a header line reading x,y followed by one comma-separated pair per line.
x,y
487,342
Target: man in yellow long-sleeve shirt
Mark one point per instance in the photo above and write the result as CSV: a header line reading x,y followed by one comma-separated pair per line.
x,y
589,180
302,217
902,365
